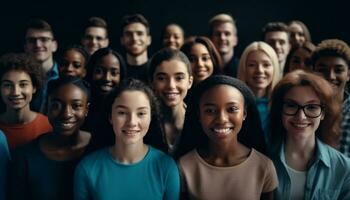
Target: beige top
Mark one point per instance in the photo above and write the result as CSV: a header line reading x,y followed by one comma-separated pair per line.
x,y
247,180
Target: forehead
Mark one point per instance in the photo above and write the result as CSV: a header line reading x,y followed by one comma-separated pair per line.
x,y
258,54
331,61
38,33
16,75
133,27
295,27
171,67
222,94
96,31
69,92
109,60
175,29
308,94
224,27
276,35
199,48
132,99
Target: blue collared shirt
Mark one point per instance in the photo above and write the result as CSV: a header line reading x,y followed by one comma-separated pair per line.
x,y
327,178
39,101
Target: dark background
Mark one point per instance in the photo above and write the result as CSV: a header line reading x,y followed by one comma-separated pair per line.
x,y
324,19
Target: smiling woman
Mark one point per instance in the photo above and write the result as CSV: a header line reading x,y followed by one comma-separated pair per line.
x,y
48,163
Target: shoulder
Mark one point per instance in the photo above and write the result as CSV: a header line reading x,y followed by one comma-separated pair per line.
x,y
188,159
95,159
336,158
160,157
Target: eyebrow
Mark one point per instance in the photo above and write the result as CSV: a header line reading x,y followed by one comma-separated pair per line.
x,y
125,107
6,80
310,101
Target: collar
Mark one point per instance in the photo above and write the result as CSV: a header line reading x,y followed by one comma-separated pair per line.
x,y
53,72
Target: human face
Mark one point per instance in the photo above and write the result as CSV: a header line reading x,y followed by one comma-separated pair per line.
x,y
171,82
17,89
94,39
300,126
335,70
259,72
280,43
297,35
221,113
73,64
224,37
201,63
130,117
106,74
67,109
135,39
173,37
40,44
300,60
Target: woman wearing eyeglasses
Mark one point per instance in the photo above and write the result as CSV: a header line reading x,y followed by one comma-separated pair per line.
x,y
304,126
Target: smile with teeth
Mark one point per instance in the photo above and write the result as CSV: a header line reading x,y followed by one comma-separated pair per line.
x,y
130,132
222,130
300,125
67,124
171,95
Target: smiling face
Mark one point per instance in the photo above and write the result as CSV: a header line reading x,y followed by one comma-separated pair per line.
x,y
73,64
106,74
224,37
40,44
221,113
300,126
135,39
335,70
173,37
16,89
171,82
130,117
67,109
280,43
259,72
94,39
297,35
201,62
300,60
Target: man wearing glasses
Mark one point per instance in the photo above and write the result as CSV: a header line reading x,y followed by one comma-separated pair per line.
x,y
95,35
41,44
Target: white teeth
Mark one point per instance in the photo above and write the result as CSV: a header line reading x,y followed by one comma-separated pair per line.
x,y
172,95
300,125
222,130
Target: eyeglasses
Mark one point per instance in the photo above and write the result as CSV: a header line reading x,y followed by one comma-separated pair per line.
x,y
32,40
310,110
91,38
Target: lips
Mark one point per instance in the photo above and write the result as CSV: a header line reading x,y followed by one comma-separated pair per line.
x,y
130,133
171,95
202,73
299,125
16,100
66,125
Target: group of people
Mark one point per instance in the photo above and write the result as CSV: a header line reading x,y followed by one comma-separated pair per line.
x,y
193,121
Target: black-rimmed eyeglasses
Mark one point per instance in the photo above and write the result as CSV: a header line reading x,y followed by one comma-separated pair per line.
x,y
310,110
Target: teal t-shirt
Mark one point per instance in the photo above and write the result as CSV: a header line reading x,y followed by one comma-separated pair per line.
x,y
99,176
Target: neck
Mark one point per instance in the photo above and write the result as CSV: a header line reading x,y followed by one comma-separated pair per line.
x,y
226,57
175,113
260,93
299,153
47,65
129,154
23,115
137,60
59,140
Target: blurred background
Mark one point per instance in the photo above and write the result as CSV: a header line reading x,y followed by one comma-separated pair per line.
x,y
324,20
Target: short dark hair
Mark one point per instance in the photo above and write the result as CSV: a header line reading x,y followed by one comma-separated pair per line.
x,y
78,48
167,54
96,22
275,27
135,18
39,24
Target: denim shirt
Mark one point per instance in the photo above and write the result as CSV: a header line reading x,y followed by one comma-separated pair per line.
x,y
327,178
39,101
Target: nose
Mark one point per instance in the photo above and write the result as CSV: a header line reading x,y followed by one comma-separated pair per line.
x,y
301,114
107,76
132,120
222,36
259,69
70,68
16,90
171,83
331,75
67,112
222,116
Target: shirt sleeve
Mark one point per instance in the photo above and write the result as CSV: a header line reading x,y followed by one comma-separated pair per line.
x,y
81,182
271,180
4,162
172,190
